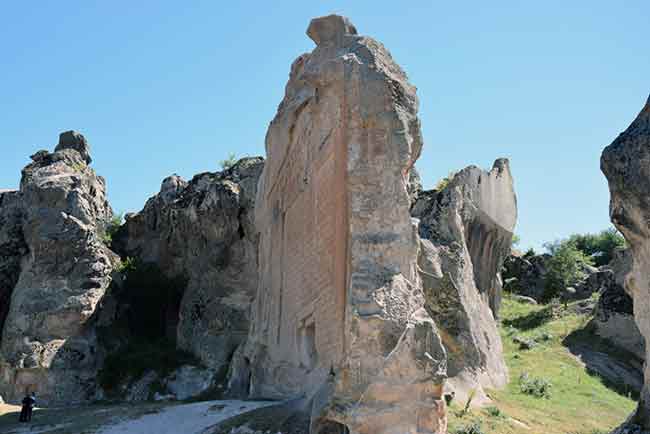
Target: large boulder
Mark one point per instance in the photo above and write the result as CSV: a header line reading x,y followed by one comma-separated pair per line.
x,y
61,268
466,232
626,165
203,231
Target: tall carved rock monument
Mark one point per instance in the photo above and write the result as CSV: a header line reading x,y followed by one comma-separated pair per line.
x,y
626,164
340,316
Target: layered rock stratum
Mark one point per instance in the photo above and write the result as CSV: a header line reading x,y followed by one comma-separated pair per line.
x,y
626,165
362,307
54,270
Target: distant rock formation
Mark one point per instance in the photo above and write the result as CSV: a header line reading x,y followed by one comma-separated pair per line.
x,y
626,166
55,269
466,233
526,274
342,316
203,230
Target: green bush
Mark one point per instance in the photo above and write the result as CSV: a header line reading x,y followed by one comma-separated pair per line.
x,y
228,162
112,226
444,182
599,247
473,428
565,268
493,411
535,386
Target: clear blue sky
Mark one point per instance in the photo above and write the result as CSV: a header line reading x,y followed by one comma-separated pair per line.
x,y
161,87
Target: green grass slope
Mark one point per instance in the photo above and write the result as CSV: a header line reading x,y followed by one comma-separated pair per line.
x,y
569,399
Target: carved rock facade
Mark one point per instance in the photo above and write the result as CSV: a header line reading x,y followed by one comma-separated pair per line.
x,y
342,317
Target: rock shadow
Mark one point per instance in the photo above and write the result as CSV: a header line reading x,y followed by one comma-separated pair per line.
x,y
619,370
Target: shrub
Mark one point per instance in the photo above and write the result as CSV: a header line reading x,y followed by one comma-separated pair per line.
x,y
564,268
535,386
112,226
444,182
494,412
133,360
473,428
228,162
599,247
126,265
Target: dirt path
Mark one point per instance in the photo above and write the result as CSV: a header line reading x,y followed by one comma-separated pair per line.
x,y
186,419
123,418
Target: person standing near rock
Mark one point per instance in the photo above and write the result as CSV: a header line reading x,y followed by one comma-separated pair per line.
x,y
31,403
27,407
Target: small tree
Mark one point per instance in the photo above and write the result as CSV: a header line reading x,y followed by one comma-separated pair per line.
x,y
112,227
599,246
444,182
228,162
565,267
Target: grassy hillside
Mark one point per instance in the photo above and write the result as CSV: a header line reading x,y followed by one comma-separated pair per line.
x,y
573,401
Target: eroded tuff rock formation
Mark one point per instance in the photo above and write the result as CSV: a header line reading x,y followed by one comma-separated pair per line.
x,y
614,315
342,316
466,233
56,268
203,231
626,165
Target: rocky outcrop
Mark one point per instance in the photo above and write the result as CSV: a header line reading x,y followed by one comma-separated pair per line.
x,y
466,233
626,167
614,315
52,230
526,274
203,231
354,311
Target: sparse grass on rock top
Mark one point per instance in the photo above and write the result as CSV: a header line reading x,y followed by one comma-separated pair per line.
x,y
578,403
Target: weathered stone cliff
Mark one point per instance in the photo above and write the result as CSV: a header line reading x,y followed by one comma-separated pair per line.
x,y
203,230
626,164
466,233
54,254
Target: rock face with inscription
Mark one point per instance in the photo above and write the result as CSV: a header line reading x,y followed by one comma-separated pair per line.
x,y
342,317
466,233
54,257
202,231
626,166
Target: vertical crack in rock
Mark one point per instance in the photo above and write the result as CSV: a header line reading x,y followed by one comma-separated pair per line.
x,y
51,231
626,165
